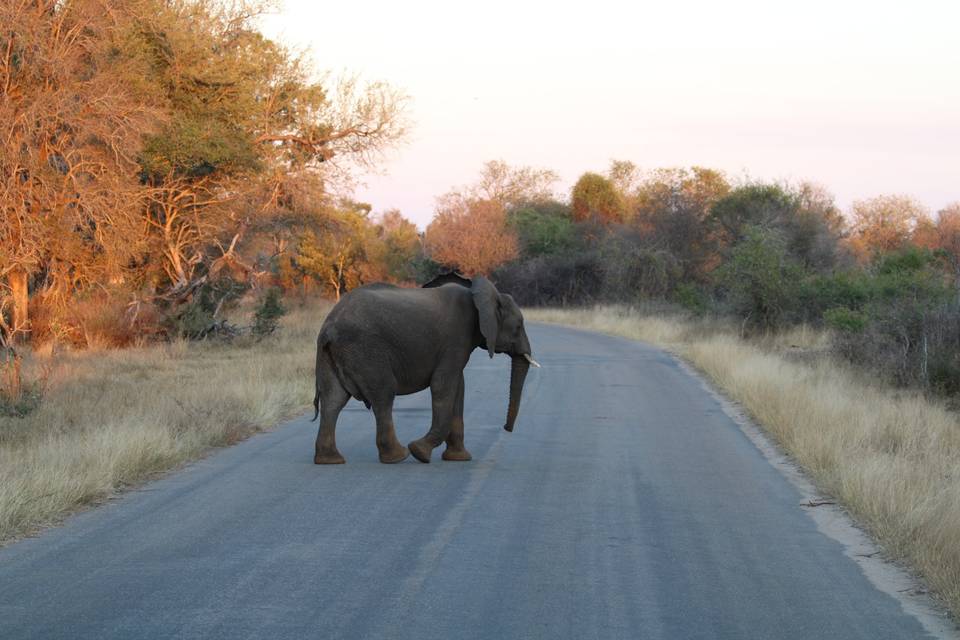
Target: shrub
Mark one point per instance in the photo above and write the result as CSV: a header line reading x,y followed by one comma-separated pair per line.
x,y
762,283
844,319
17,396
543,229
198,317
268,314
553,280
692,298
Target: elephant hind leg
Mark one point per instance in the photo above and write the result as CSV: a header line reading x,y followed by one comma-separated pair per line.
x,y
333,397
390,449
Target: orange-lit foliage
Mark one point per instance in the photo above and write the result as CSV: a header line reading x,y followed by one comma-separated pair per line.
x,y
470,235
597,197
71,117
882,224
672,206
146,144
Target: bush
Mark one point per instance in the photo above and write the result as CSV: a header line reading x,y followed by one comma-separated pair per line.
x,y
198,317
762,283
633,271
844,319
268,314
543,229
553,280
17,396
904,324
692,298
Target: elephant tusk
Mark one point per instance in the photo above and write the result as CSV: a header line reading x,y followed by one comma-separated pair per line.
x,y
531,360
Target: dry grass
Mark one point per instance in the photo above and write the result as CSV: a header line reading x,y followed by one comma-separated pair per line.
x,y
110,419
892,458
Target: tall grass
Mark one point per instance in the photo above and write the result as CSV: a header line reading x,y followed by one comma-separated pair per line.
x,y
892,458
112,418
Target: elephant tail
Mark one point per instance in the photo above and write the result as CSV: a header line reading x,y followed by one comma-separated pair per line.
x,y
327,365
316,393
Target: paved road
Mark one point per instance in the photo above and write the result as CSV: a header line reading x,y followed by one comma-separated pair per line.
x,y
625,505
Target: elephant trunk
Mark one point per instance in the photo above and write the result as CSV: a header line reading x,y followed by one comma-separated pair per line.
x,y
518,373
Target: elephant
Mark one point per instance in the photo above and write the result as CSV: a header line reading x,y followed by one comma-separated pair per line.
x,y
380,341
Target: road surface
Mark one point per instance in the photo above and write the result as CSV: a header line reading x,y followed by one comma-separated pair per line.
x,y
626,504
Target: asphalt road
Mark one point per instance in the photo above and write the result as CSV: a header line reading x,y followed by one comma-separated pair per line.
x,y
626,504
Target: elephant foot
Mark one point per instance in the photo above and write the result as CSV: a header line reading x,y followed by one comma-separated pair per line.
x,y
394,455
457,455
328,457
421,450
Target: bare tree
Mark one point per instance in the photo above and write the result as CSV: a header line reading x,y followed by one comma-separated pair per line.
x,y
470,234
882,224
513,186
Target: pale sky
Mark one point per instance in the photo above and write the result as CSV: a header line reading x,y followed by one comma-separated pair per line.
x,y
861,97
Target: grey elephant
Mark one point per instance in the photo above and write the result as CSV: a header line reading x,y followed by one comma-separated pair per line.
x,y
381,341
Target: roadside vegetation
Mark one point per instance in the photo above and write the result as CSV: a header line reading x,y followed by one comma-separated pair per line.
x,y
112,418
890,457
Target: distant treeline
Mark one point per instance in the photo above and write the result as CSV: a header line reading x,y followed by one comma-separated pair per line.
x,y
160,159
886,276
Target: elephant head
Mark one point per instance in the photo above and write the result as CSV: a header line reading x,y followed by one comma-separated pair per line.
x,y
501,325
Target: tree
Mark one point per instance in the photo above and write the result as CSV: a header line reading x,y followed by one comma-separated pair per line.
x,y
470,235
508,186
943,236
626,179
543,229
399,247
145,142
883,224
337,255
760,277
804,217
595,196
752,205
672,206
71,117
250,129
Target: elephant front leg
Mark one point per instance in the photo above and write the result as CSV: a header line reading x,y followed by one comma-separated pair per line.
x,y
455,450
444,396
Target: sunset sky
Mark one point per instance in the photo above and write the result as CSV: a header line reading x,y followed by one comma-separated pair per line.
x,y
861,97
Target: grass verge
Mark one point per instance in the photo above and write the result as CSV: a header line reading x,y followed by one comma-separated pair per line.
x,y
892,458
113,418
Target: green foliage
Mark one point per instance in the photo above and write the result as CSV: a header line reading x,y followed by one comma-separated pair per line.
x,y
336,256
268,314
844,319
754,205
543,229
805,218
843,289
400,250
691,297
194,146
762,283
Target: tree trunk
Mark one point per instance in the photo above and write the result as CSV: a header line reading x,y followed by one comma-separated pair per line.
x,y
17,279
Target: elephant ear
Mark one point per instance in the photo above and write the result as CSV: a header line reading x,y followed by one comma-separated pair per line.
x,y
487,301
